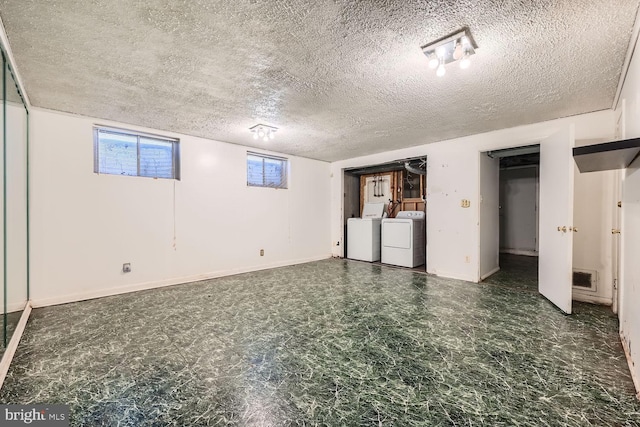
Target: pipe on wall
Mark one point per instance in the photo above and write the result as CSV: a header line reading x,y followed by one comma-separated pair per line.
x,y
415,170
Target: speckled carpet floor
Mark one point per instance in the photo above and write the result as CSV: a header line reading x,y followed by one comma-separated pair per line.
x,y
330,343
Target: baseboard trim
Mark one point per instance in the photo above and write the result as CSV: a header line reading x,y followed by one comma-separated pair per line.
x,y
484,276
593,299
627,353
83,296
10,351
446,275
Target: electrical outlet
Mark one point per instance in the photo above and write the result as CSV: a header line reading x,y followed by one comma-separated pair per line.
x,y
465,203
261,252
126,267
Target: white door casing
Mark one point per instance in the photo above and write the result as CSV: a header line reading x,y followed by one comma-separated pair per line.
x,y
489,216
616,225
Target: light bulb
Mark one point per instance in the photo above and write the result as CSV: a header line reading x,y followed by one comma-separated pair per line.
x,y
433,61
272,135
457,53
255,135
266,138
441,71
465,62
260,133
441,51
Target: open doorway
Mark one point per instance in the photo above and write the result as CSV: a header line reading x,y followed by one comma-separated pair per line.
x,y
397,190
515,263
510,181
555,215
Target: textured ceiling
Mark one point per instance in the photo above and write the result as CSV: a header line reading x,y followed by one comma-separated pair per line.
x,y
339,78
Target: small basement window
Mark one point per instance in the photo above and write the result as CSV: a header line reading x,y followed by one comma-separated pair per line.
x,y
120,152
266,171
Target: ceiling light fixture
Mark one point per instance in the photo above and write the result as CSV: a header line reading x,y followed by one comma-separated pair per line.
x,y
458,46
465,62
433,61
458,51
264,132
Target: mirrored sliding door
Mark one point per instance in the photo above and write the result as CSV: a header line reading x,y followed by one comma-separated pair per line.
x,y
14,212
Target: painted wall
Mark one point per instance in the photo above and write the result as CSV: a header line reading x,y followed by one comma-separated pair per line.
x,y
593,203
629,293
630,276
452,171
518,205
85,225
489,215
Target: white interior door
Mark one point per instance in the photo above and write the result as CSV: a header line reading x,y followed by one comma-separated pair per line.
x,y
556,219
489,215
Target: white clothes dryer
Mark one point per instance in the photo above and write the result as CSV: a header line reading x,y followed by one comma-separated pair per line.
x,y
403,239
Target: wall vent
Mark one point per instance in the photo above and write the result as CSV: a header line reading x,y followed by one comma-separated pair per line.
x,y
585,280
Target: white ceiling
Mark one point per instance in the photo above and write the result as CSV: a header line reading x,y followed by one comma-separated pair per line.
x,y
339,78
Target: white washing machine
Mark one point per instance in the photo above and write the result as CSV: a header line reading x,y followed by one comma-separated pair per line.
x,y
363,234
403,239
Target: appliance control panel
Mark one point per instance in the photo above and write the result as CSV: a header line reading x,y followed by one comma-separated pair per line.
x,y
410,214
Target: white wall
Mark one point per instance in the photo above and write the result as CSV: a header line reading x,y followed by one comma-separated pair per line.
x,y
489,215
593,210
629,294
453,170
85,226
630,276
518,212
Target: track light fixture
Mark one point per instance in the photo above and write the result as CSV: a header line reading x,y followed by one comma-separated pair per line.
x,y
264,132
458,46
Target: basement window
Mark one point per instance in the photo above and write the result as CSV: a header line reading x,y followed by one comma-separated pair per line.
x,y
266,171
120,152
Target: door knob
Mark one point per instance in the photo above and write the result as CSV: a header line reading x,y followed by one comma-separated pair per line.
x,y
574,229
615,231
563,229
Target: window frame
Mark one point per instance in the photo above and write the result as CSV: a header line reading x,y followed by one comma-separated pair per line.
x,y
285,170
175,150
